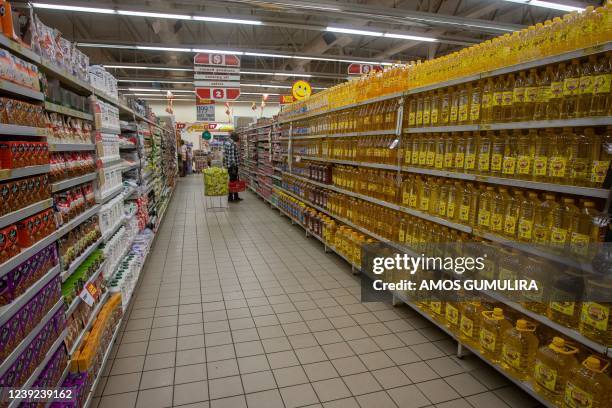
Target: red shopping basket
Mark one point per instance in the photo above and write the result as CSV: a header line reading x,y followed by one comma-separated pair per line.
x,y
237,186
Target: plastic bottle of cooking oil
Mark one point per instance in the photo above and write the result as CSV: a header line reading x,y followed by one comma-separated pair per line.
x,y
465,93
531,94
601,155
571,90
553,367
423,145
492,327
484,151
469,322
544,93
543,219
518,97
459,144
454,193
498,210
511,214
425,195
498,143
553,110
475,100
412,106
470,151
449,151
419,111
588,385
538,270
445,103
519,348
559,155
602,99
561,223
468,203
525,150
454,105
431,150
510,152
566,293
435,107
485,206
595,319
583,232
416,148
439,146
541,149
585,96
414,192
487,101
427,110
526,216
499,87
443,199
507,99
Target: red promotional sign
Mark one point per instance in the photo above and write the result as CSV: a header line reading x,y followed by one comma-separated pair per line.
x,y
221,78
180,125
362,69
284,99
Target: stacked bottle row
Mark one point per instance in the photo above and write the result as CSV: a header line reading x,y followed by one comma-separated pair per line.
x,y
579,156
553,37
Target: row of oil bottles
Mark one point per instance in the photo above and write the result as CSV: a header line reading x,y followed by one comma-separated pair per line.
x,y
579,156
564,91
553,37
501,263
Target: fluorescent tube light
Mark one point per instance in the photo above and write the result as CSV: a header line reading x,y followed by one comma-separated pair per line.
x,y
73,8
227,20
410,37
160,81
217,51
156,90
149,68
292,75
154,15
548,5
353,31
261,54
259,93
142,47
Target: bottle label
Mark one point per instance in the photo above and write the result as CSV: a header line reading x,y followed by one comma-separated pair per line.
x,y
599,171
540,165
412,202
595,315
470,161
511,356
496,222
498,99
556,89
566,308
507,98
406,198
558,236
545,376
448,160
434,116
484,217
453,113
586,84
601,83
531,94
525,229
579,243
544,94
402,235
467,326
407,156
540,234
463,113
452,314
487,101
419,117
558,165
426,117
464,212
423,157
483,162
431,156
487,340
571,86
509,166
411,119
510,225
475,112
450,211
519,95
439,161
415,156
576,397
442,208
496,161
524,164
424,206
436,307
459,160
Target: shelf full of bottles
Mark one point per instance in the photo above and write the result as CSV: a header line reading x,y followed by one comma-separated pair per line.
x,y
517,158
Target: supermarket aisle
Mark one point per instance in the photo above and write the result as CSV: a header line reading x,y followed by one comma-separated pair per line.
x,y
240,308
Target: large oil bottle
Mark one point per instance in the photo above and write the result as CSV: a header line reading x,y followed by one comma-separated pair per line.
x,y
588,385
486,110
484,151
544,93
485,204
601,103
553,110
498,210
595,319
601,156
525,146
585,96
519,348
561,223
497,153
566,294
511,214
531,95
493,325
571,90
554,364
559,155
580,151
518,97
526,217
543,219
469,322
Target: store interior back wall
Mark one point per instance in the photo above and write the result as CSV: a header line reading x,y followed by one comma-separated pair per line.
x,y
185,111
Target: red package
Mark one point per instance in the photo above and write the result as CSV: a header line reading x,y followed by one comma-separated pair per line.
x,y
25,232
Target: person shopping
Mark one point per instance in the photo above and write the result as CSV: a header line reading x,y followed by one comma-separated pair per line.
x,y
231,160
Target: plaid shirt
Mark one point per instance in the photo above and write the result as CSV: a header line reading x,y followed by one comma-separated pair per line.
x,y
230,154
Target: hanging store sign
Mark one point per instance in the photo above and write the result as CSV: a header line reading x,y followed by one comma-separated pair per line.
x,y
362,69
205,110
285,99
301,90
217,76
199,127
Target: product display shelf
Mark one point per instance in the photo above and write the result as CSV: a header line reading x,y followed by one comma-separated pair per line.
x,y
25,212
8,361
70,225
111,231
109,131
64,184
349,134
109,194
77,300
65,77
9,174
59,383
129,166
79,260
18,130
128,147
90,322
28,384
107,354
53,107
71,147
19,49
7,311
20,90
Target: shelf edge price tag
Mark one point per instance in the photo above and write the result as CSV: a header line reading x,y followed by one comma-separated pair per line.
x,y
88,294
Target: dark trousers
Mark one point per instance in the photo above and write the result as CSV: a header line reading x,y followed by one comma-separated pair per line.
x,y
233,176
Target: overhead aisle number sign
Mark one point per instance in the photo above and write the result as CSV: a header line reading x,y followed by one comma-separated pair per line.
x,y
217,76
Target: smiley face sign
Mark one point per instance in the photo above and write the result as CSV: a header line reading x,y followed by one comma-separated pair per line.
x,y
301,90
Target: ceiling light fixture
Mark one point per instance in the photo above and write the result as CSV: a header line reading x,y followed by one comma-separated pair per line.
x,y
292,75
263,54
155,90
154,15
159,81
227,20
410,37
548,5
353,31
204,50
143,47
148,68
73,8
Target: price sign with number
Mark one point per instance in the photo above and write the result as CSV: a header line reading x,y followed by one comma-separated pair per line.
x,y
217,76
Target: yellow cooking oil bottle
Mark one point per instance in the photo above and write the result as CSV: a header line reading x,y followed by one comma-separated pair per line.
x,y
588,385
449,151
511,213
531,95
518,97
554,364
459,145
510,152
499,86
487,101
485,206
559,156
484,151
440,210
543,219
498,210
566,292
585,94
525,153
454,196
595,319
469,322
553,110
541,150
475,102
538,270
468,203
571,90
439,151
497,153
544,93
471,147
520,345
601,104
507,99
601,156
493,325
452,314
580,151
583,232
526,217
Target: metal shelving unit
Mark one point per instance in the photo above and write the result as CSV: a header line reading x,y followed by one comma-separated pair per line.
x,y
71,147
53,107
18,130
20,90
25,212
64,184
9,174
80,259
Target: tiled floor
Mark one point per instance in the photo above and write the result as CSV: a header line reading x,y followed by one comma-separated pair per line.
x,y
240,309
